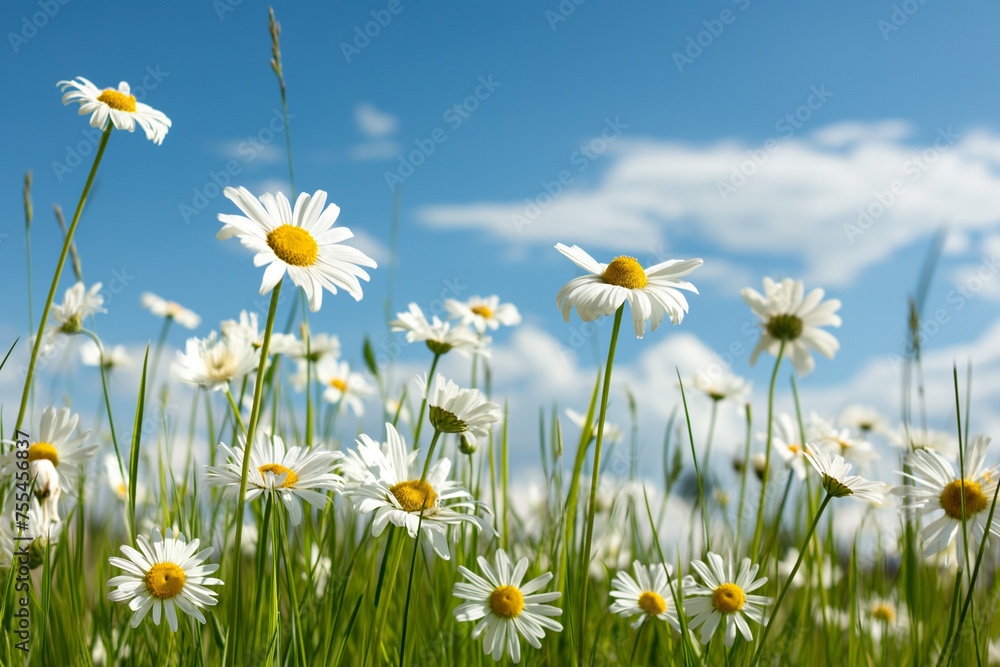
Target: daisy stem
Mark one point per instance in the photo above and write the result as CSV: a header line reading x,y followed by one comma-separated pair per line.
x,y
236,410
591,508
167,321
58,273
409,581
427,461
232,638
711,432
423,404
791,576
767,455
743,480
635,646
475,367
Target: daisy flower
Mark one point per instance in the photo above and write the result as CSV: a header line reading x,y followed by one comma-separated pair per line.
x,y
786,439
651,293
114,357
439,336
393,489
247,328
214,362
455,410
788,316
863,418
320,345
293,475
57,441
724,596
482,313
116,481
830,574
939,488
165,575
170,310
343,386
836,480
918,438
612,433
507,608
302,242
120,106
648,594
840,441
721,386
78,304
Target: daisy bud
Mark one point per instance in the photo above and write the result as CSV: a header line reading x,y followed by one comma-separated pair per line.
x,y
467,447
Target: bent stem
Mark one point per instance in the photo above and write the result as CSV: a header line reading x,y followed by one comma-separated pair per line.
x,y
423,404
767,454
67,242
592,506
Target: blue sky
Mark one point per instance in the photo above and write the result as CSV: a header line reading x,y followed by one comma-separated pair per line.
x,y
803,112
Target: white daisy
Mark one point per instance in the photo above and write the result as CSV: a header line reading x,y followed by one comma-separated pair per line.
x,y
786,439
171,310
830,574
651,293
939,488
840,441
114,478
77,305
393,489
863,418
918,438
612,433
247,328
58,441
292,474
303,242
482,313
164,576
439,336
721,386
214,362
120,106
787,316
114,357
343,387
724,596
836,480
320,345
456,410
648,594
506,607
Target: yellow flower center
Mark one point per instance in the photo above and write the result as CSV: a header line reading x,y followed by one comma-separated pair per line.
x,y
339,384
728,598
164,580
293,245
43,450
118,101
625,272
795,449
414,495
482,311
279,470
951,499
506,601
652,603
122,490
883,611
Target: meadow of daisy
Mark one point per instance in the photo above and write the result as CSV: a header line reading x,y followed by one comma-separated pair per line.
x,y
297,537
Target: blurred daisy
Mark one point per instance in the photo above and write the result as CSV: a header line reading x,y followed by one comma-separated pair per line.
x,y
293,475
648,594
836,480
863,418
165,575
918,438
170,310
343,386
302,242
116,482
840,441
320,345
506,607
721,386
788,316
57,441
439,336
114,357
612,433
651,293
214,362
77,305
939,488
724,596
883,618
120,106
830,573
393,489
394,407
786,439
47,489
247,329
456,410
482,313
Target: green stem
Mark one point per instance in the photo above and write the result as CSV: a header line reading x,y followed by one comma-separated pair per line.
x,y
767,455
423,404
236,410
591,508
167,321
743,481
791,577
55,278
711,432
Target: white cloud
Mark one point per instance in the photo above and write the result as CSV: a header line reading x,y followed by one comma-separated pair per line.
x,y
369,245
374,123
379,149
799,201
